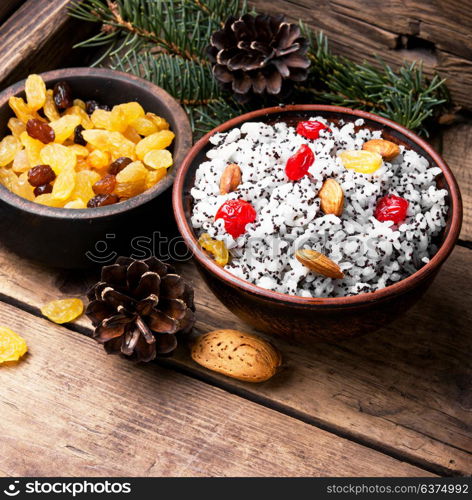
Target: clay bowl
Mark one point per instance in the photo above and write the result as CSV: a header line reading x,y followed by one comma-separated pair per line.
x,y
301,318
80,238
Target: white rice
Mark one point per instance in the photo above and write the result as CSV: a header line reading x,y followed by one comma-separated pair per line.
x,y
372,254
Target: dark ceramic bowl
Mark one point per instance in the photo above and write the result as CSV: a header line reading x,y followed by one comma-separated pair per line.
x,y
76,238
302,318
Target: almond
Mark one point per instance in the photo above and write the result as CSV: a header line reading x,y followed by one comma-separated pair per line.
x,y
237,354
230,179
332,197
386,149
319,263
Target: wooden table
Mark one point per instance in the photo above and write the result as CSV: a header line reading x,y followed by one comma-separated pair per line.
x,y
394,403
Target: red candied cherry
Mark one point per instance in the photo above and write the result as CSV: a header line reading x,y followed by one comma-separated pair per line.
x,y
236,214
298,164
311,129
392,208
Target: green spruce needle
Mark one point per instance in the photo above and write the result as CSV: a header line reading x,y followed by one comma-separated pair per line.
x,y
165,42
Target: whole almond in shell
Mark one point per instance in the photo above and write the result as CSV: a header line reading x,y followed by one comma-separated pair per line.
x,y
386,149
331,197
237,354
230,179
319,263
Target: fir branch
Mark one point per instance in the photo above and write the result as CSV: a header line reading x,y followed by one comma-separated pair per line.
x,y
189,81
205,118
405,96
165,42
181,28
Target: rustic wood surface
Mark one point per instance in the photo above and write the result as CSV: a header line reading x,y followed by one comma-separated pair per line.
x,y
436,32
404,390
397,402
39,36
7,7
89,414
457,150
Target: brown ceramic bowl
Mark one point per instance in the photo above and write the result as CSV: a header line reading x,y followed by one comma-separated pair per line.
x,y
302,318
79,238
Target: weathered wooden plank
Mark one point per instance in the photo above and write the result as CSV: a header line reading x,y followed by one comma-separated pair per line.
x,y
456,149
69,409
435,32
7,7
38,37
405,389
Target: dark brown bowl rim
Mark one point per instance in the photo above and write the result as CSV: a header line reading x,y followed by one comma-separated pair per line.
x,y
185,138
384,293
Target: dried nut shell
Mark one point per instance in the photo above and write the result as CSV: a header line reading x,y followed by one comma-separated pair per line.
x,y
237,354
319,263
386,149
230,179
332,197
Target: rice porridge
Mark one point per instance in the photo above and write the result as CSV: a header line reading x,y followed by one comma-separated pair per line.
x,y
316,210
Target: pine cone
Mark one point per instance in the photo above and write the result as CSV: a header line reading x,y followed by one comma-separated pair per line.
x,y
258,54
139,306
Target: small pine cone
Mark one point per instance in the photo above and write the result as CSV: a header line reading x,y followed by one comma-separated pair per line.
x,y
138,307
258,55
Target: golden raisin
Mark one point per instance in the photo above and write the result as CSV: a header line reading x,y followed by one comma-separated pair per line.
x,y
12,345
20,162
50,109
364,162
23,188
101,118
64,127
8,179
35,90
98,159
59,157
63,311
131,180
9,147
124,114
154,176
64,184
84,181
33,148
144,126
48,200
20,108
158,158
159,140
76,204
80,151
109,141
160,122
79,103
85,120
16,126
131,134
216,247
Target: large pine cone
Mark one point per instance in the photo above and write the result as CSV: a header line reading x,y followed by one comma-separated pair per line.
x,y
258,54
139,306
